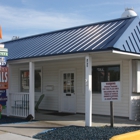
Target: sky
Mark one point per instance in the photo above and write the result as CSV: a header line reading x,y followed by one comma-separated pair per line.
x,y
24,18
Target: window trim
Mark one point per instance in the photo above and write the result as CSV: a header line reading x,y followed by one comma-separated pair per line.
x,y
110,63
26,68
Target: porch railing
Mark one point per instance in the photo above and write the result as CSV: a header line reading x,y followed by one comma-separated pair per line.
x,y
19,104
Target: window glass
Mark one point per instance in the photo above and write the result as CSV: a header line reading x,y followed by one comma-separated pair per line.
x,y
68,83
104,74
37,80
25,81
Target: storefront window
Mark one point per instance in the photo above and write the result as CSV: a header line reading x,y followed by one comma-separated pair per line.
x,y
104,74
25,81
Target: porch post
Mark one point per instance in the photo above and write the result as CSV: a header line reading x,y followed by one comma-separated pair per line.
x,y
7,92
130,89
88,91
31,89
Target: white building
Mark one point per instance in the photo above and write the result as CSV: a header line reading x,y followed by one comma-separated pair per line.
x,y
69,66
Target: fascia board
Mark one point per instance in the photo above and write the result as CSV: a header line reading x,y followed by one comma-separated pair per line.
x,y
126,53
49,58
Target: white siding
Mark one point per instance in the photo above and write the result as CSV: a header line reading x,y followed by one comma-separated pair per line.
x,y
135,104
51,76
121,108
14,86
135,97
15,77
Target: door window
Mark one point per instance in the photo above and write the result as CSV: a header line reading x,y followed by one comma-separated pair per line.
x,y
68,82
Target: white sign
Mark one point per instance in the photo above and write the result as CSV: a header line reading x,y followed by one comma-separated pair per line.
x,y
110,91
3,61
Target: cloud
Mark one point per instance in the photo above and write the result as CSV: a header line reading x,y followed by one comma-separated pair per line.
x,y
114,3
23,1
25,22
27,18
6,37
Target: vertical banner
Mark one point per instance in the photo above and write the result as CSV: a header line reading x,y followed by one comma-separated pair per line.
x,y
3,75
3,97
3,83
0,32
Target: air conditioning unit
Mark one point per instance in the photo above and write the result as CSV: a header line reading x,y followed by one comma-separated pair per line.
x,y
136,76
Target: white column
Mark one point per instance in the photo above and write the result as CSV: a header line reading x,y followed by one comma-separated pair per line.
x,y
88,91
31,89
8,109
130,90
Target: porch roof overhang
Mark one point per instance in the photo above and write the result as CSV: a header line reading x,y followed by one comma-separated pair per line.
x,y
114,55
99,55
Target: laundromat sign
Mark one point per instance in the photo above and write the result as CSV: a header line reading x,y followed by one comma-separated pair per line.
x,y
3,82
3,97
3,77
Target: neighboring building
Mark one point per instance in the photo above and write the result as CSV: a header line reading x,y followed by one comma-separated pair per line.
x,y
63,62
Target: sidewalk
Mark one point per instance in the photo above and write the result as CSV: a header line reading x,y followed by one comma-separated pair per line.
x,y
10,136
27,130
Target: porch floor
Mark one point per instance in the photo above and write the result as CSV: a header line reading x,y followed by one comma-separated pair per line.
x,y
67,119
46,120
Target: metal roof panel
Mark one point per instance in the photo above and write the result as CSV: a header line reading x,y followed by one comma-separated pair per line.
x,y
92,37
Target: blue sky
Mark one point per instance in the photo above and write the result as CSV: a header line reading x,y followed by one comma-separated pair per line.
x,y
28,17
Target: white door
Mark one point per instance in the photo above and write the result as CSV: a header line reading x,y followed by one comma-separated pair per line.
x,y
68,95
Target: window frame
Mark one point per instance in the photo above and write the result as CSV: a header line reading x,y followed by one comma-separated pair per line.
x,y
111,63
27,69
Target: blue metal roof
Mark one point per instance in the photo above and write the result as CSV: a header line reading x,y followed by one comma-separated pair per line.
x,y
87,38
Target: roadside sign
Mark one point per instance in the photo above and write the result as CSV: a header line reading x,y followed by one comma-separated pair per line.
x,y
3,97
111,91
3,53
3,77
3,61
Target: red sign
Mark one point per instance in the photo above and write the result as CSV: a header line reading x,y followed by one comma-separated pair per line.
x,y
3,77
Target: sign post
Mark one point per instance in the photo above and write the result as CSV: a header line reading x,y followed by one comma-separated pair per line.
x,y
111,114
110,93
